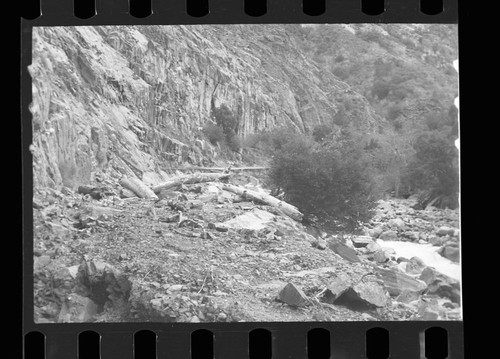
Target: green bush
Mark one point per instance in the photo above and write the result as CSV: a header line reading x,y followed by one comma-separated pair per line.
x,y
320,132
341,72
380,89
229,124
434,168
214,133
235,143
331,187
393,112
225,118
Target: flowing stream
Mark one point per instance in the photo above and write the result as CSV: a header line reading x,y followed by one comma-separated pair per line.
x,y
428,254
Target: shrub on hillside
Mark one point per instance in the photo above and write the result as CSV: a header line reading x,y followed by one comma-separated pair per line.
x,y
434,168
320,132
380,89
330,187
341,72
214,133
225,119
228,123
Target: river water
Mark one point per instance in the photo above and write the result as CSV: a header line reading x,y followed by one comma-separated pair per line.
x,y
428,254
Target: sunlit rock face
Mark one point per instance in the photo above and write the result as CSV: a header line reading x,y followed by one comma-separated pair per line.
x,y
133,100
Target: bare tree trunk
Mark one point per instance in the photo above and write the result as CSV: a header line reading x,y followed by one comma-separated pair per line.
x,y
138,187
189,179
286,208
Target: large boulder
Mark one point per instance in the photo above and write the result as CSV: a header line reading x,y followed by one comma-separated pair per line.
x,y
389,236
437,240
414,266
372,247
444,230
334,289
293,296
397,223
340,291
363,296
380,256
441,285
451,252
361,241
396,282
343,251
78,309
375,232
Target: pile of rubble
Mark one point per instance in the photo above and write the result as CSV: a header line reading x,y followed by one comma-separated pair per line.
x,y
214,250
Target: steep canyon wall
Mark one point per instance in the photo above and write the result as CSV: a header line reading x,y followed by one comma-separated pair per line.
x,y
133,100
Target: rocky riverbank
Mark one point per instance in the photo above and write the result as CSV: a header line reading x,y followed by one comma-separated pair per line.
x,y
203,254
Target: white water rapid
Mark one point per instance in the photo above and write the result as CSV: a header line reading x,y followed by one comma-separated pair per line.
x,y
428,254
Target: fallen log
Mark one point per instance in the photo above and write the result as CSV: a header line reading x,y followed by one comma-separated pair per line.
x,y
222,169
189,179
138,187
286,208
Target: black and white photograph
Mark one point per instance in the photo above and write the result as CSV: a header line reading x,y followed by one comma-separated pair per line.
x,y
245,173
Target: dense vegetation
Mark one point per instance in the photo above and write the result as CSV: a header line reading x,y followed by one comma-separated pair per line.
x,y
335,171
330,184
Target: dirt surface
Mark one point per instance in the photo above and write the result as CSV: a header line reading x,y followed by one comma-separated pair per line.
x,y
184,262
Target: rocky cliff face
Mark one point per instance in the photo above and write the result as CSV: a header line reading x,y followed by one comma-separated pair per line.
x,y
133,100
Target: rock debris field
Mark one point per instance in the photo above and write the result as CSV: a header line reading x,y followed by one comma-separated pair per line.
x,y
200,253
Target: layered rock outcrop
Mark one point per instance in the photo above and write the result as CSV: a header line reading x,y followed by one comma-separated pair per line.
x,y
133,100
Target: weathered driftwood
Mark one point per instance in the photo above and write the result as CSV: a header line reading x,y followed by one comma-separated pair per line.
x,y
189,179
126,193
138,187
222,169
286,208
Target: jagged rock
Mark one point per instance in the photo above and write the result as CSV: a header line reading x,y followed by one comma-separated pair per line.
x,y
334,289
171,219
372,247
196,203
444,230
219,227
344,251
414,266
441,285
102,283
389,236
361,241
375,232
412,236
78,309
293,296
96,192
190,223
380,256
438,241
450,252
221,317
407,296
319,243
397,223
363,295
73,271
40,262
396,282
195,319
257,219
